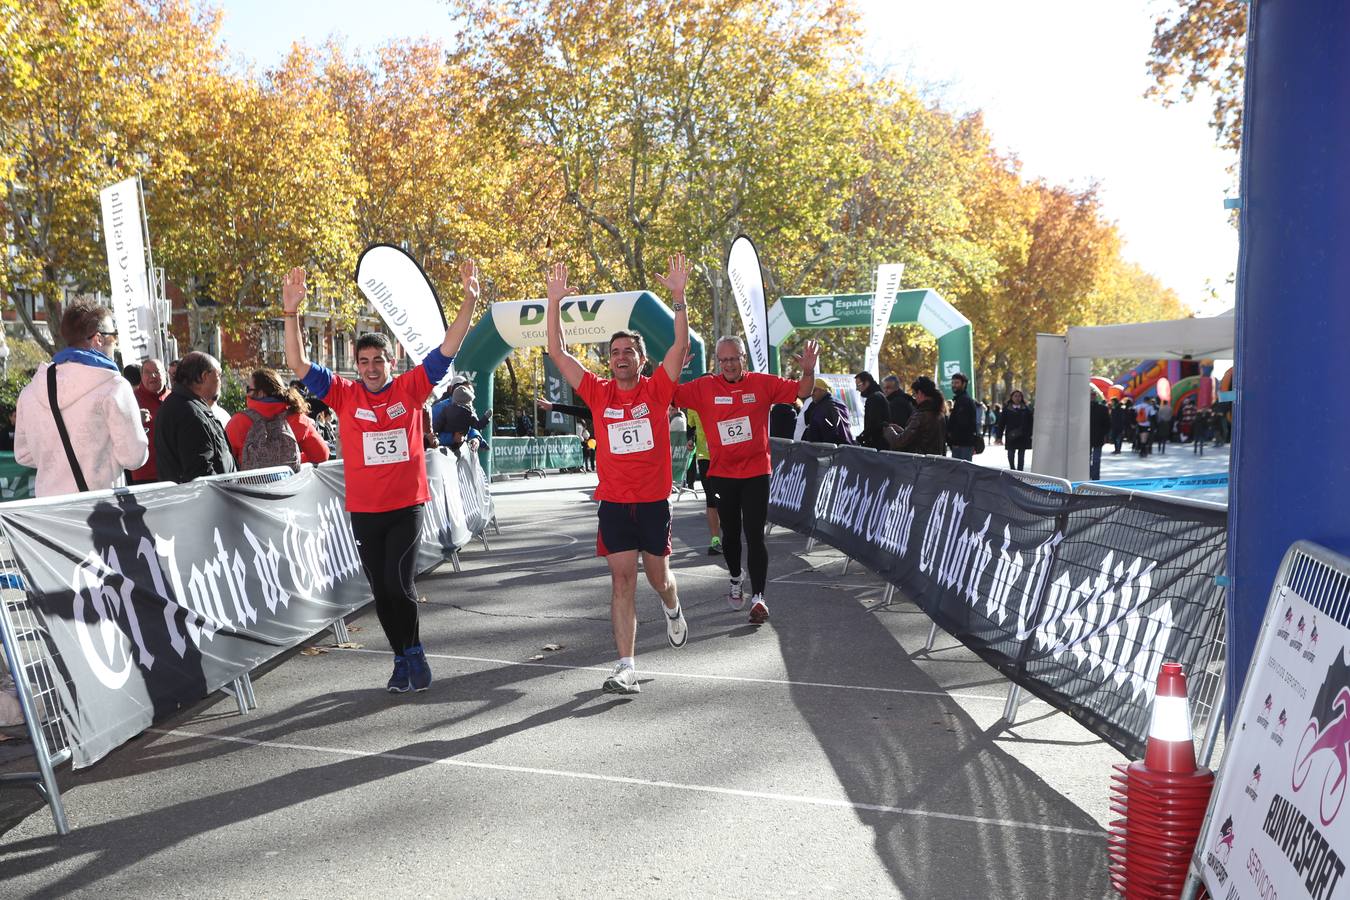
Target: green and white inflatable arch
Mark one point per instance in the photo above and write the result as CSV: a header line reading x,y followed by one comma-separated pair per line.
x,y
588,319
956,352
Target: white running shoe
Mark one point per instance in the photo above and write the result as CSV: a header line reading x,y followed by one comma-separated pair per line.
x,y
623,680
735,597
677,629
759,611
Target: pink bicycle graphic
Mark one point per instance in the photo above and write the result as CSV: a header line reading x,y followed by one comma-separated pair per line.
x,y
1334,737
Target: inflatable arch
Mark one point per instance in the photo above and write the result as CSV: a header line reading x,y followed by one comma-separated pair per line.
x,y
922,306
588,319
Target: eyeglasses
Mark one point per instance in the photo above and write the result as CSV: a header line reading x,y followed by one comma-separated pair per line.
x,y
728,360
111,334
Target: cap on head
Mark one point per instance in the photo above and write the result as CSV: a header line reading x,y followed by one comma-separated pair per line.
x,y
823,385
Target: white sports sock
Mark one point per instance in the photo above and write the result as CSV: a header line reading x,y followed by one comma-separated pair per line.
x,y
672,613
757,598
627,661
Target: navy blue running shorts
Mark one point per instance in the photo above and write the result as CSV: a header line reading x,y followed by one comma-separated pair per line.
x,y
633,526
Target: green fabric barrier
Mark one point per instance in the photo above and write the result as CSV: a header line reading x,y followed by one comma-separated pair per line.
x,y
522,454
16,482
679,455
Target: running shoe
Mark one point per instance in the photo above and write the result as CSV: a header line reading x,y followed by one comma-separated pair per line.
x,y
399,682
715,546
734,596
677,629
419,673
623,680
759,613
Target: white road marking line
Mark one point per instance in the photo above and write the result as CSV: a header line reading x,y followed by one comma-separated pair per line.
x,y
636,782
738,678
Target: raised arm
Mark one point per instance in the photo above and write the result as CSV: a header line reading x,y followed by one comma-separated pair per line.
x,y
555,282
807,360
675,279
292,295
454,335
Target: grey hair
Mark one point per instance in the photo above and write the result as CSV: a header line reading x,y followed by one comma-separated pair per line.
x,y
731,339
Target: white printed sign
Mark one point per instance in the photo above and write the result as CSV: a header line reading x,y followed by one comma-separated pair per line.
x,y
397,287
125,243
1279,824
883,301
747,286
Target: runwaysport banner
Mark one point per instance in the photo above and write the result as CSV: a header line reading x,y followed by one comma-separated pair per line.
x,y
124,241
402,294
1078,598
747,286
152,599
1279,823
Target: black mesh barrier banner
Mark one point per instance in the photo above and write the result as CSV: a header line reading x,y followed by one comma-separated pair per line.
x,y
153,599
1078,598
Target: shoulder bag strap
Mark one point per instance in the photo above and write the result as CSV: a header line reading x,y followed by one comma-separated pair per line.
x,y
61,429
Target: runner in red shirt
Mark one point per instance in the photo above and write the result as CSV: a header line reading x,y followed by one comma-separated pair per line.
x,y
733,407
633,458
380,423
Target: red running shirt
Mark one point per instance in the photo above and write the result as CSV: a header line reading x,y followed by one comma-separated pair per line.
x,y
735,419
632,436
382,453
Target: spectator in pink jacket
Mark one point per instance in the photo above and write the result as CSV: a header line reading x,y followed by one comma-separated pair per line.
x,y
97,406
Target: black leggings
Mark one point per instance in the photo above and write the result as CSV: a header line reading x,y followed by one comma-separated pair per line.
x,y
387,542
743,504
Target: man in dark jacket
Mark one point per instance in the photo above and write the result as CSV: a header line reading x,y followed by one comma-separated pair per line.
x,y
189,439
783,420
826,418
876,414
962,425
1120,422
924,432
1099,426
900,404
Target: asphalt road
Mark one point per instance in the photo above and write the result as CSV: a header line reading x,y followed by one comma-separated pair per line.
x,y
823,754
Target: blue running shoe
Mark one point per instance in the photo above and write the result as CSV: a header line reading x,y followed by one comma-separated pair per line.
x,y
419,673
398,682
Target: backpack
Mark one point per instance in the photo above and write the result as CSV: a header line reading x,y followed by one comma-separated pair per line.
x,y
269,442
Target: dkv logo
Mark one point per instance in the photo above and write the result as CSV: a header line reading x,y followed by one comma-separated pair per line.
x,y
573,312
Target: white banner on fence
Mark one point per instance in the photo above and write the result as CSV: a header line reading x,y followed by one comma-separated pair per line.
x,y
402,294
747,285
883,301
125,243
1279,823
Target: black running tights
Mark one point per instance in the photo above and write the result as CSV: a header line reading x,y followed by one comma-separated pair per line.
x,y
387,542
743,505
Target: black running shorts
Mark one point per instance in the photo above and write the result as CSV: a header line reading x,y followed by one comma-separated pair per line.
x,y
634,526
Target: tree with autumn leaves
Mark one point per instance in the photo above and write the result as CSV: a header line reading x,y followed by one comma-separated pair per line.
x,y
604,133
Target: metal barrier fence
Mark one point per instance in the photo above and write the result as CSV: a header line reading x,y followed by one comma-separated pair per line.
x,y
35,663
1206,687
32,658
1206,684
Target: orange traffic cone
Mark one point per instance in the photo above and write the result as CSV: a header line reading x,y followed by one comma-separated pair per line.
x,y
1170,748
1161,800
